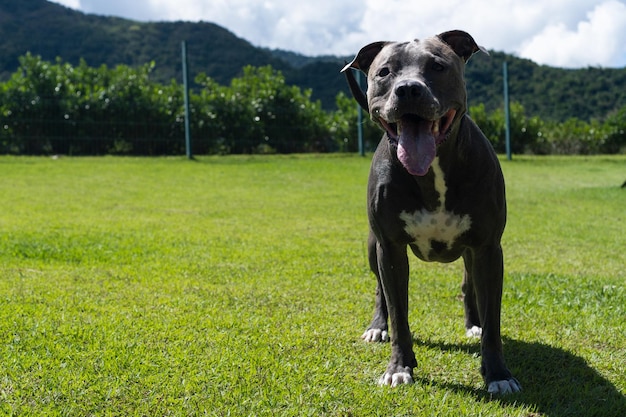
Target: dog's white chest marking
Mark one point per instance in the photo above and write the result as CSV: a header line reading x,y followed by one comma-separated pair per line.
x,y
440,225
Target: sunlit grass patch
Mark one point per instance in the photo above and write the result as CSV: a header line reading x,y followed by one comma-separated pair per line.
x,y
239,286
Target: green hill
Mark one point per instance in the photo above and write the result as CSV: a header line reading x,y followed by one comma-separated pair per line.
x,y
51,30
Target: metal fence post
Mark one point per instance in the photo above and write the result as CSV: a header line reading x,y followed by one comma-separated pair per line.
x,y
507,112
186,94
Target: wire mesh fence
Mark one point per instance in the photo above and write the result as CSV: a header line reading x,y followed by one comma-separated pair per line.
x,y
117,135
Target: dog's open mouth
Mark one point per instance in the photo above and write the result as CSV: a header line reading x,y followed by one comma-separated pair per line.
x,y
418,139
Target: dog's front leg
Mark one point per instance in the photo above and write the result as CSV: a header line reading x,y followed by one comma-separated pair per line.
x,y
393,268
378,331
485,269
473,326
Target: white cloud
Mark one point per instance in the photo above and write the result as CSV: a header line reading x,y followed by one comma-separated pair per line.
x,y
555,32
74,4
130,9
598,40
309,27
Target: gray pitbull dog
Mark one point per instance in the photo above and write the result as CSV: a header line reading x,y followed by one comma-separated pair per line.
x,y
436,186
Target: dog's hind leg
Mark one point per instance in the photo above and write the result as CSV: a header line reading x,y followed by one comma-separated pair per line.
x,y
378,330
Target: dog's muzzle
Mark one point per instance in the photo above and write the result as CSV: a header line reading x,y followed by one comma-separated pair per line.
x,y
417,139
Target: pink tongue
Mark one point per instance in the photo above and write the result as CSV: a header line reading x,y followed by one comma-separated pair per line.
x,y
416,145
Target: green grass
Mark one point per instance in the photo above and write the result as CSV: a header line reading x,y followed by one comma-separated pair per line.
x,y
239,286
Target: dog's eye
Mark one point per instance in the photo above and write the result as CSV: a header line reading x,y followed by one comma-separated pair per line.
x,y
383,72
436,66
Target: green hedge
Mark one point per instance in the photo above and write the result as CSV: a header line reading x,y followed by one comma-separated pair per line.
x,y
57,108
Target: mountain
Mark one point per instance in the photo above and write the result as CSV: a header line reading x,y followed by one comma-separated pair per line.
x,y
547,92
52,31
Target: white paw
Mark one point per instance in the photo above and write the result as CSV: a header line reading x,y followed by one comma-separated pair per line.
x,y
475,331
395,379
504,387
375,335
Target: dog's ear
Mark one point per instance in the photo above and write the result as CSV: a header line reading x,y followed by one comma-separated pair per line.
x,y
362,62
365,57
461,43
355,89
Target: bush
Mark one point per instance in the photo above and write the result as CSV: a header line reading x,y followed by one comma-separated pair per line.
x,y
572,137
60,109
525,131
57,108
615,140
533,135
344,128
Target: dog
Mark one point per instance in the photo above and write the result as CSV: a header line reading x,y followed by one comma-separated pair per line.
x,y
436,186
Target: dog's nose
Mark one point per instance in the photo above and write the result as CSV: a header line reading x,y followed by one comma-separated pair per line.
x,y
409,89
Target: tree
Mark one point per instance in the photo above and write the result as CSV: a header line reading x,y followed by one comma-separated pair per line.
x,y
615,140
57,108
343,126
259,113
525,131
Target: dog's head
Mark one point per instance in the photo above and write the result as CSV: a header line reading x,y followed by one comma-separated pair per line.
x,y
416,92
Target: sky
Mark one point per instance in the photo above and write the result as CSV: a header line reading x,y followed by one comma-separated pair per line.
x,y
559,33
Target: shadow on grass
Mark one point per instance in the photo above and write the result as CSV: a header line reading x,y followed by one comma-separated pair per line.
x,y
555,382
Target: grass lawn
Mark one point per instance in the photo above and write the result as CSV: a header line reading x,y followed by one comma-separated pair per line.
x,y
238,286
